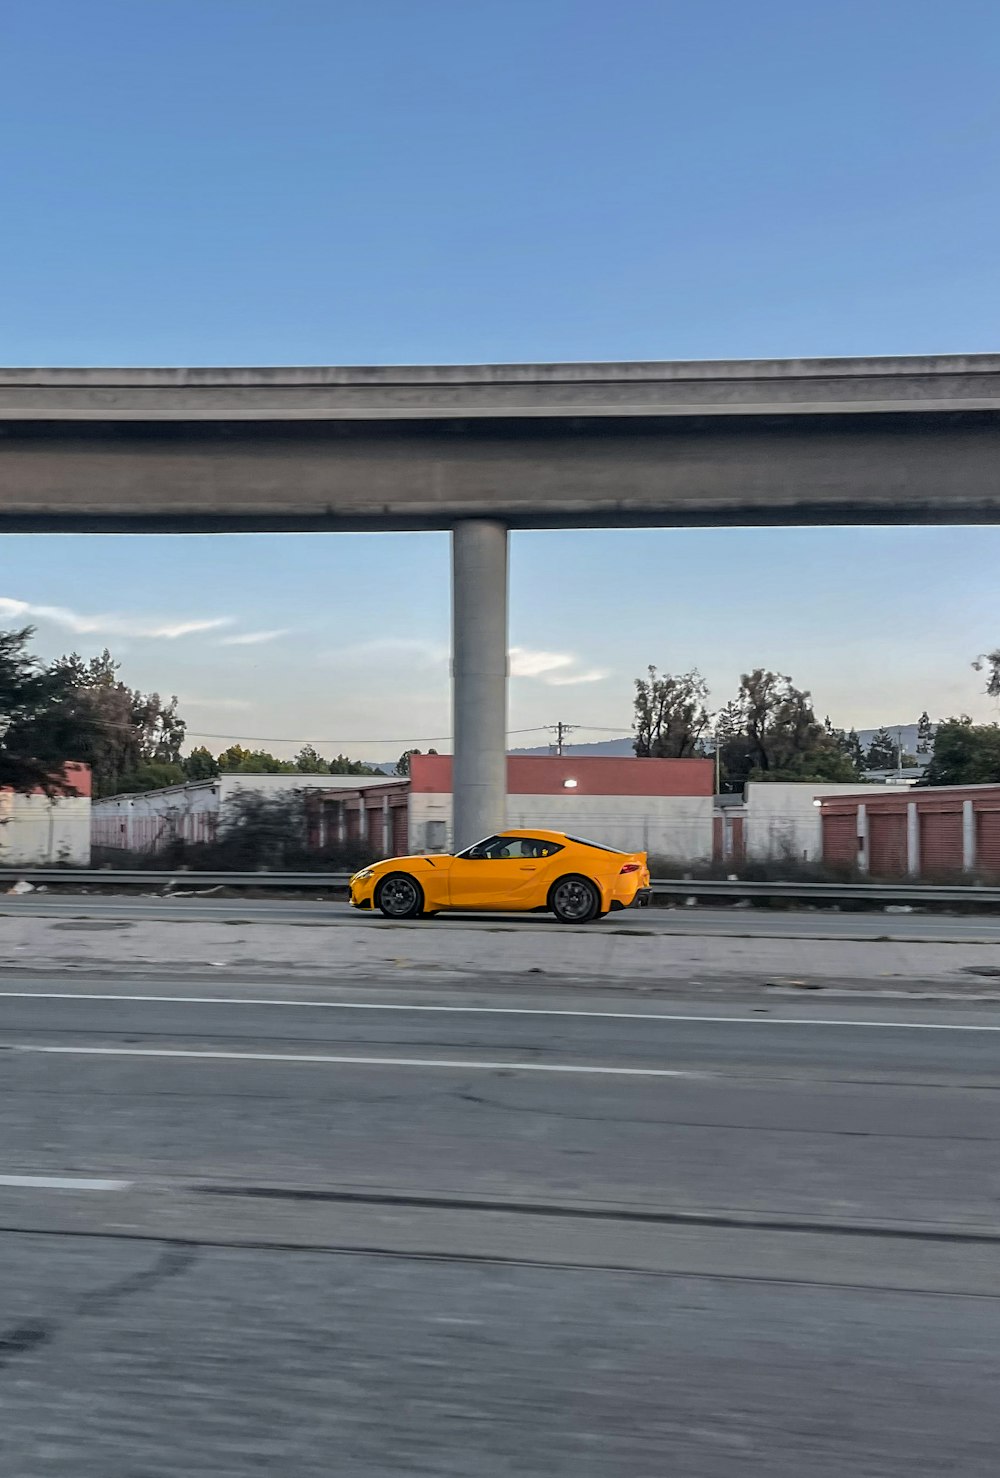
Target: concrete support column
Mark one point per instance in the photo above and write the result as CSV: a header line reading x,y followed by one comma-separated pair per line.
x,y
968,837
912,839
863,861
479,679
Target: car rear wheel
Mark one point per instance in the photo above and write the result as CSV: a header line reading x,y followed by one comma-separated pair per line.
x,y
399,896
575,900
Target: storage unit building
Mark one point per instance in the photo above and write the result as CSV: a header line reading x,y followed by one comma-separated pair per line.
x,y
934,833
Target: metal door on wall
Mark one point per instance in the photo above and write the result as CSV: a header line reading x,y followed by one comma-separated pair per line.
x,y
940,842
988,842
400,830
887,844
840,839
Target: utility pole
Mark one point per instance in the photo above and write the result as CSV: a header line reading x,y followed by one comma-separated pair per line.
x,y
561,730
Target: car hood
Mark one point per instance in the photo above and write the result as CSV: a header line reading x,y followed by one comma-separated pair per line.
x,y
411,864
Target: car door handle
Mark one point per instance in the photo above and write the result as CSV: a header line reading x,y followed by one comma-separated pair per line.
x,y
529,869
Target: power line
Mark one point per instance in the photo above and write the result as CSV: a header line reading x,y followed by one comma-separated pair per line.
x,y
284,739
410,739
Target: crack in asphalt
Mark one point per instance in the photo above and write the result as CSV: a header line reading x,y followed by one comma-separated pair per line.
x,y
484,1101
30,1334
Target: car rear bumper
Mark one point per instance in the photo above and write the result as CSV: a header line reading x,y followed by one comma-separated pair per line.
x,y
642,899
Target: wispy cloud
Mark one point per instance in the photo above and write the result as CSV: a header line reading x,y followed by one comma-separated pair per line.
x,y
555,669
570,680
527,663
108,623
253,638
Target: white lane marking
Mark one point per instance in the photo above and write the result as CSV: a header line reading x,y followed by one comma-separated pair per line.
x,y
63,1183
70,995
438,1062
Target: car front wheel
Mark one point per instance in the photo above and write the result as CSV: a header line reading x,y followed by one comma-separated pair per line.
x,y
575,900
399,896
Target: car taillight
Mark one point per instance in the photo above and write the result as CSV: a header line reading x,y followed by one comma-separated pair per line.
x,y
631,867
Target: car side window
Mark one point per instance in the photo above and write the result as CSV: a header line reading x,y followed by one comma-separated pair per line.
x,y
536,848
501,849
481,850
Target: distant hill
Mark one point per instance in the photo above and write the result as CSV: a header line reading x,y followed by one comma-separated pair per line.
x,y
624,746
611,748
606,747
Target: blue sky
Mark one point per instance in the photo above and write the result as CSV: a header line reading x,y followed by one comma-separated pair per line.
x,y
241,181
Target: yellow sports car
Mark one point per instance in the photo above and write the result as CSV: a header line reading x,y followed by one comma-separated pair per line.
x,y
514,872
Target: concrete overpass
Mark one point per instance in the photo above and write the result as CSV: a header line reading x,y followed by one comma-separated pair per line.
x,y
483,449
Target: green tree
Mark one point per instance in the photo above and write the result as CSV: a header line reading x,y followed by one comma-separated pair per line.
x,y
155,775
671,715
990,661
121,728
261,831
237,759
344,766
41,726
309,762
403,763
854,752
964,753
882,751
848,745
242,761
925,734
200,764
773,734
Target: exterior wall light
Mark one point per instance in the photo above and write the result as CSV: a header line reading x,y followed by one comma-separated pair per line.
x,y
569,785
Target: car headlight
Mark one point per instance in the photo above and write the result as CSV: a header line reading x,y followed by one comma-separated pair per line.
x,y
364,876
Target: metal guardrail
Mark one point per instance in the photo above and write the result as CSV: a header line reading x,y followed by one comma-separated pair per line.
x,y
110,877
701,888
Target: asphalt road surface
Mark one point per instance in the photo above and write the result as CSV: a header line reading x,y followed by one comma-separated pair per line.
x,y
309,1231
733,922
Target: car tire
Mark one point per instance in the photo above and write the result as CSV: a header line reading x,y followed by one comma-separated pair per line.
x,y
399,896
575,900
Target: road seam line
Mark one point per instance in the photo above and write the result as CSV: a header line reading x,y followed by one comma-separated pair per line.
x,y
64,1183
343,1060
299,1004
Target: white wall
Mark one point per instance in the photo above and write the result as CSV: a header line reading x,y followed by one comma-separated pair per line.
x,y
676,827
782,820
149,820
38,832
288,784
